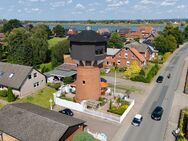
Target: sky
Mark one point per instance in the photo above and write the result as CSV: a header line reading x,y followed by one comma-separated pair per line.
x,y
92,9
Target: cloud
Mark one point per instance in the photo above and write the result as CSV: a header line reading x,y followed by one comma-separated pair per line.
x,y
147,2
80,6
169,2
35,9
60,3
181,6
116,3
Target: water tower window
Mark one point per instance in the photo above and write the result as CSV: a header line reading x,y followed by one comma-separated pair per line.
x,y
84,82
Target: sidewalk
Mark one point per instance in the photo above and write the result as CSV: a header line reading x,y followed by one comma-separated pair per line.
x,y
180,102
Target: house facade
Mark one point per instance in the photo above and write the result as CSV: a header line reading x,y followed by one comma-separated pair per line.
x,y
24,80
123,58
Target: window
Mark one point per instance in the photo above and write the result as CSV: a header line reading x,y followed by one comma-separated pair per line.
x,y
29,77
132,56
128,62
84,82
36,84
35,74
11,75
99,51
126,55
107,62
118,62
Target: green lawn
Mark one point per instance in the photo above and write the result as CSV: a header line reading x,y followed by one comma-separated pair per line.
x,y
54,41
40,98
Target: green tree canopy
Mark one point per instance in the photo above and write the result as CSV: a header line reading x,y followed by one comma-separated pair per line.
x,y
58,52
165,43
19,47
185,32
115,41
39,44
59,31
132,70
83,136
11,24
173,31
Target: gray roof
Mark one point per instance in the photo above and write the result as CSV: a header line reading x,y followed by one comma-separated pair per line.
x,y
28,122
60,73
138,46
19,74
67,67
112,51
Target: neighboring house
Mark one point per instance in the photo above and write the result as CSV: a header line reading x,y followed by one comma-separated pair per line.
x,y
134,35
145,30
24,80
147,51
124,32
104,31
28,122
60,72
71,32
123,57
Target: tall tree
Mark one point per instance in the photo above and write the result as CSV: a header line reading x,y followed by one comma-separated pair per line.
x,y
11,24
115,41
59,31
11,96
19,46
132,70
174,31
185,33
39,44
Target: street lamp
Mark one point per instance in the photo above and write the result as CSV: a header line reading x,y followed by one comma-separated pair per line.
x,y
50,103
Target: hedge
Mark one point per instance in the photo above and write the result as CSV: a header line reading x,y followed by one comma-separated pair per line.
x,y
55,86
149,77
3,93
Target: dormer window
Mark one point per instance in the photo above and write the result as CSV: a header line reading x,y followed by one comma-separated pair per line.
x,y
35,74
29,77
11,75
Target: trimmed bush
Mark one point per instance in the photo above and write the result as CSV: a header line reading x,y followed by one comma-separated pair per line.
x,y
68,80
3,93
55,86
11,96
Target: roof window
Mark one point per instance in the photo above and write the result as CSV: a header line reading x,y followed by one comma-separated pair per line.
x,y
11,75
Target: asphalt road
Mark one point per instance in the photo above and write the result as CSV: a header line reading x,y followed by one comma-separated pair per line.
x,y
162,95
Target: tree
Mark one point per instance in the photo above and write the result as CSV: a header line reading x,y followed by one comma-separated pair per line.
x,y
11,24
39,42
165,43
115,41
173,31
11,96
19,47
59,31
83,136
132,70
185,33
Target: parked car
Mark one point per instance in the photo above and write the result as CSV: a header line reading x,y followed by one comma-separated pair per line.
x,y
160,79
67,111
137,120
157,113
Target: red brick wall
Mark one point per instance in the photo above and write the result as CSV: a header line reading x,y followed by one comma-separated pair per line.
x,y
70,138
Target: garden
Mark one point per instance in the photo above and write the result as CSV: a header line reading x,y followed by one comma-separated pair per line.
x,y
183,122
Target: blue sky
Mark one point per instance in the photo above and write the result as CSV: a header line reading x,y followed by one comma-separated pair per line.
x,y
92,9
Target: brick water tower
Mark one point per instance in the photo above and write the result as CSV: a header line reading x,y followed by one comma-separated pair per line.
x,y
88,49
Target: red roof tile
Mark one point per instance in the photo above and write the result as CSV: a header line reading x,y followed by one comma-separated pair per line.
x,y
135,52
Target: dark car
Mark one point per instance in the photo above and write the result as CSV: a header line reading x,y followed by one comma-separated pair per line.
x,y
160,79
67,111
157,113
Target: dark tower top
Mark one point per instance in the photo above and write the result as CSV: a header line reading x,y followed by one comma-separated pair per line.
x,y
88,46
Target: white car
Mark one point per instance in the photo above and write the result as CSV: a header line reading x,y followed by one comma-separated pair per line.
x,y
137,120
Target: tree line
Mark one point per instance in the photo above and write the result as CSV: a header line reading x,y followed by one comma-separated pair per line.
x,y
28,45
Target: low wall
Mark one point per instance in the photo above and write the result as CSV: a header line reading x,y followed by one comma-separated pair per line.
x,y
81,108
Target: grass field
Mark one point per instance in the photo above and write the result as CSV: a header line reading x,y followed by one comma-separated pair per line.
x,y
54,41
40,98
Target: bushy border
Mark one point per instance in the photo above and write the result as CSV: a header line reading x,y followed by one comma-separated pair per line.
x,y
149,77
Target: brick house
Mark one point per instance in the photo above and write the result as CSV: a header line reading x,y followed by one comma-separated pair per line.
x,y
123,57
29,122
145,30
124,32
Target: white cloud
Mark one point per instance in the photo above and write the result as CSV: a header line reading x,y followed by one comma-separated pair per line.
x,y
169,2
116,3
80,6
35,9
60,3
181,6
147,2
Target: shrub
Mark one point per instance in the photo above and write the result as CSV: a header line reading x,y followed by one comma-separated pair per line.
x,y
166,56
55,86
3,93
118,111
11,96
68,80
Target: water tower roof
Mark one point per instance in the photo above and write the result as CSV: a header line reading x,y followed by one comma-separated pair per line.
x,y
88,36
